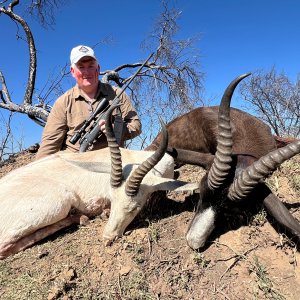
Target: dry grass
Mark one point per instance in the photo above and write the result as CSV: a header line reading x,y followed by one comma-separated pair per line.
x,y
246,257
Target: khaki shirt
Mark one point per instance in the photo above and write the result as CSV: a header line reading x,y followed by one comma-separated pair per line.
x,y
69,113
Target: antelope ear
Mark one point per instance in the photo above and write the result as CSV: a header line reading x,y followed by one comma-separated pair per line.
x,y
165,184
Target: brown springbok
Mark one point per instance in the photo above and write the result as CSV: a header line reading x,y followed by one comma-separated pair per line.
x,y
238,150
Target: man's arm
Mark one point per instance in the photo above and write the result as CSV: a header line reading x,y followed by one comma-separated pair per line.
x,y
54,132
132,126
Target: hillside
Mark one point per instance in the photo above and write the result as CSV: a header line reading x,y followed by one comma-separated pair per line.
x,y
248,256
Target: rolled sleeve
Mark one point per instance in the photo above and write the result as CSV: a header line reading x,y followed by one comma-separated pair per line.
x,y
133,126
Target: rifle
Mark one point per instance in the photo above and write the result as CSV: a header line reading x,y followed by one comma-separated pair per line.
x,y
88,137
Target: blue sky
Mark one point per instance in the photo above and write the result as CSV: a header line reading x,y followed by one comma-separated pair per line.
x,y
236,36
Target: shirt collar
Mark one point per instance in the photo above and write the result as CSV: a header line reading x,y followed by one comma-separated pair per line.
x,y
101,91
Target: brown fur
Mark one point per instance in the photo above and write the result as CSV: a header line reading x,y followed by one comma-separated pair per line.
x,y
197,131
193,139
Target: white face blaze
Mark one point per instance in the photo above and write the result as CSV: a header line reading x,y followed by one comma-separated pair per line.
x,y
201,227
123,210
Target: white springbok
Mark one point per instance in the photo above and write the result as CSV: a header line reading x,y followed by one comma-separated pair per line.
x,y
54,192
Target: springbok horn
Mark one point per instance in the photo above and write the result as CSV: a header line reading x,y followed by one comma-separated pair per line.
x,y
134,181
246,181
115,153
222,161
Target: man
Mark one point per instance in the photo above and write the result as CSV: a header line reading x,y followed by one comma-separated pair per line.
x,y
77,104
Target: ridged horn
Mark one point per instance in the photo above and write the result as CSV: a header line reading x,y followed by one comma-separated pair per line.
x,y
134,181
247,180
222,161
115,153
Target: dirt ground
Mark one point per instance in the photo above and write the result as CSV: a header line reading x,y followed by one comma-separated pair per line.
x,y
247,257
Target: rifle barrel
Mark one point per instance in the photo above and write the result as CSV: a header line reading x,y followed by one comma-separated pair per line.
x,y
135,74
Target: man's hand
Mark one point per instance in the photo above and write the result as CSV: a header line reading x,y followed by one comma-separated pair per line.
x,y
102,126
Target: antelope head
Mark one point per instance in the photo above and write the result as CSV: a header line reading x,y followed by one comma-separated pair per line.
x,y
131,184
234,181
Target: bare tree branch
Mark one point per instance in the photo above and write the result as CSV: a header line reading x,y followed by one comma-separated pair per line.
x,y
171,83
5,96
5,138
40,111
32,50
275,99
44,10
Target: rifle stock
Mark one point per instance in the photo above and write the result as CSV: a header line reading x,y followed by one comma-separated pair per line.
x,y
100,107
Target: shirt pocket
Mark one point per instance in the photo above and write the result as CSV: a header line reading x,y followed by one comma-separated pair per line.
x,y
76,120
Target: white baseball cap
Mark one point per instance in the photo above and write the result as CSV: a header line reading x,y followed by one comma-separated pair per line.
x,y
79,52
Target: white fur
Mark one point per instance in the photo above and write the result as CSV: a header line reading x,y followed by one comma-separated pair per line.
x,y
201,227
43,192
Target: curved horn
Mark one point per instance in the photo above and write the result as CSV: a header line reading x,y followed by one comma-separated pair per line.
x,y
249,178
134,181
222,161
115,153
